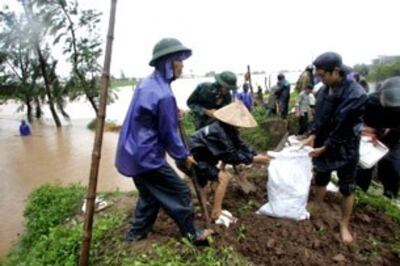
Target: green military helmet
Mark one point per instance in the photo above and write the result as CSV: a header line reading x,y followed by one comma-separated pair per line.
x,y
227,79
390,92
167,46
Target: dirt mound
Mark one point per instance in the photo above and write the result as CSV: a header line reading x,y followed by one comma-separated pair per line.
x,y
264,240
270,241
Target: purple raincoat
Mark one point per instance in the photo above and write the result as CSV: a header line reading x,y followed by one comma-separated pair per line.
x,y
150,128
247,99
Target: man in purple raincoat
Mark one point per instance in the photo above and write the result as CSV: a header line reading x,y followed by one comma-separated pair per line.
x,y
150,130
246,97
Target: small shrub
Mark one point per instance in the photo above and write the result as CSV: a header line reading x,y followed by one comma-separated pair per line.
x,y
109,126
49,206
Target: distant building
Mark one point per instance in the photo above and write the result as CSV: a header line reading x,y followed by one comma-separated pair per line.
x,y
386,59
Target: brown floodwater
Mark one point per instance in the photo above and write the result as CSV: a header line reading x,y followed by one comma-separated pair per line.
x,y
50,155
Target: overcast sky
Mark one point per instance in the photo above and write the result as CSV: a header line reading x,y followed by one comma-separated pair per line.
x,y
269,35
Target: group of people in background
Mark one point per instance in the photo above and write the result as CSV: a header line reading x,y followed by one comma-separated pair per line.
x,y
150,131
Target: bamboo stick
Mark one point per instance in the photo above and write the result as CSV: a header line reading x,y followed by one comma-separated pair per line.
x,y
249,75
96,153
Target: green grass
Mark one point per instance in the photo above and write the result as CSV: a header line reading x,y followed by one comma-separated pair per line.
x,y
48,208
122,83
183,253
54,232
378,202
257,137
109,126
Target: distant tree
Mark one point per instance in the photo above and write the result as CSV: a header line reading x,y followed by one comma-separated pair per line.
x,y
362,69
18,69
210,73
381,72
39,24
78,29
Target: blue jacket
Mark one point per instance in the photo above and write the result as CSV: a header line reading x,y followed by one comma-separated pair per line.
x,y
337,125
247,99
283,91
24,129
150,128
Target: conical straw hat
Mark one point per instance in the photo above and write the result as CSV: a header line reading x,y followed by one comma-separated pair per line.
x,y
236,114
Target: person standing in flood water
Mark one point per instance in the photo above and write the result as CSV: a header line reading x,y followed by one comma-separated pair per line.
x,y
24,129
150,130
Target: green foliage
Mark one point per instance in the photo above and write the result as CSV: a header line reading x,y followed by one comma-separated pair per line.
x,y
49,206
293,97
44,239
52,235
363,69
26,42
62,244
257,136
115,83
380,203
381,72
108,126
396,248
188,122
177,253
55,240
18,69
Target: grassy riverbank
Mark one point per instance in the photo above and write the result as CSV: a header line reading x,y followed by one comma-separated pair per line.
x,y
54,222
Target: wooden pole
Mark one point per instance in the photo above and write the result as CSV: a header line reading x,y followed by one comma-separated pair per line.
x,y
249,75
200,196
96,153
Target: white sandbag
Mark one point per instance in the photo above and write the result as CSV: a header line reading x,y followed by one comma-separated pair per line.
x,y
288,186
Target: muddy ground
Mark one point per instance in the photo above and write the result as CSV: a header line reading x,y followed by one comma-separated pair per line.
x,y
264,240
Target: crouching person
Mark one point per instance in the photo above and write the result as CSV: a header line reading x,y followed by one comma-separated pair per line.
x,y
148,133
220,141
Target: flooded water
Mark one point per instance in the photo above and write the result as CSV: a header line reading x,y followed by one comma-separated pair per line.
x,y
60,155
50,155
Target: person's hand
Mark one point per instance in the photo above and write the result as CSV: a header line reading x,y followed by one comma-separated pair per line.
x,y
371,133
210,112
308,142
317,152
190,161
262,159
368,130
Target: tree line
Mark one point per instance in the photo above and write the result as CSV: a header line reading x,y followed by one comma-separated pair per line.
x,y
379,71
29,40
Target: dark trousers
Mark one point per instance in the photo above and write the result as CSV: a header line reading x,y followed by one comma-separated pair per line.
x,y
283,107
389,171
364,178
303,123
162,188
346,175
